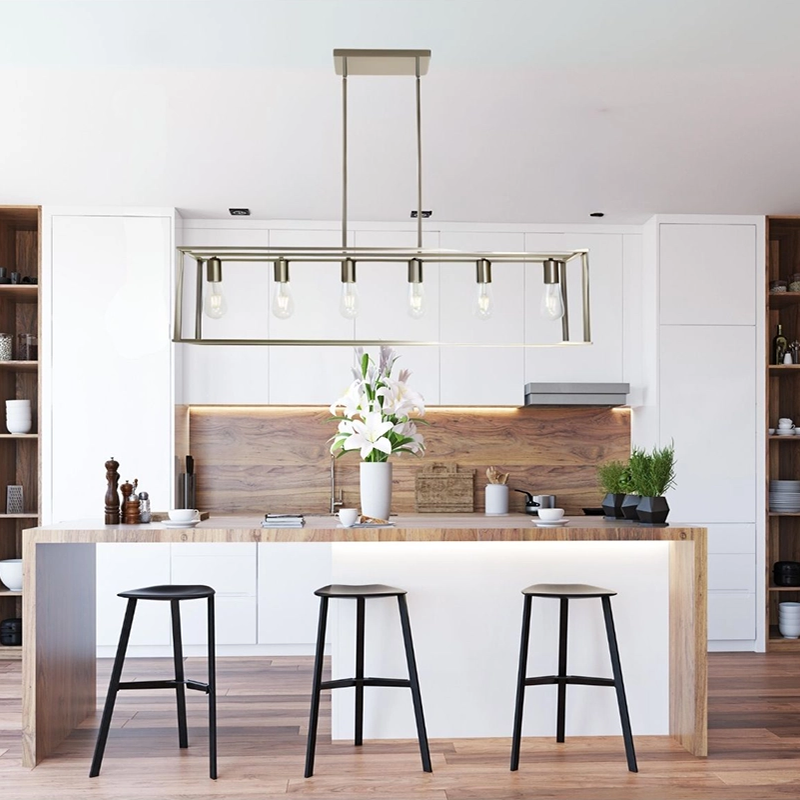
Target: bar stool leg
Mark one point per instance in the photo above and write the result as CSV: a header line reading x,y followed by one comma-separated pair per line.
x,y
180,677
315,687
113,689
562,670
616,668
212,693
522,671
413,678
359,723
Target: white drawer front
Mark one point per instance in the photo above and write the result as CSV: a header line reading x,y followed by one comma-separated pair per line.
x,y
731,615
214,549
731,539
235,620
731,572
227,575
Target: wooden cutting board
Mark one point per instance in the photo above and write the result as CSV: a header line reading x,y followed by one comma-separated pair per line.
x,y
444,488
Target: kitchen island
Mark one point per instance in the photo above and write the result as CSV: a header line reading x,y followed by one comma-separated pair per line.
x,y
59,602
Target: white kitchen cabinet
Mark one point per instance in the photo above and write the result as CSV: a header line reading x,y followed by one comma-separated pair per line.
x,y
708,407
482,376
305,375
232,575
700,262
726,539
288,575
107,381
121,567
600,361
731,616
225,374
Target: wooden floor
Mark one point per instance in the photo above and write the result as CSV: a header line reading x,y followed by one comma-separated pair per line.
x,y
754,746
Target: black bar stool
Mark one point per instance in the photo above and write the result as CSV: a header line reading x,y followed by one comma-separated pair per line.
x,y
174,594
566,592
360,594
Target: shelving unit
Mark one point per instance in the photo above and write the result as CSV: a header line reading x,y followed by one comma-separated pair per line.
x,y
20,228
783,400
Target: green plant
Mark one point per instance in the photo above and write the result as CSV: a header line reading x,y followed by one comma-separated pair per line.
x,y
653,473
613,477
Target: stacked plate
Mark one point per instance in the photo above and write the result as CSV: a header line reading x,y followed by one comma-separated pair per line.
x,y
784,496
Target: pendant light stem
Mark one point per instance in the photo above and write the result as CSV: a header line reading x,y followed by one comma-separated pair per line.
x,y
344,152
419,157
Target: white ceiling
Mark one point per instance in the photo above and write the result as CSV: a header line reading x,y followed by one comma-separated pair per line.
x,y
532,111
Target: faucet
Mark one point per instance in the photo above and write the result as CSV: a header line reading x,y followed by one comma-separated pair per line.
x,y
334,501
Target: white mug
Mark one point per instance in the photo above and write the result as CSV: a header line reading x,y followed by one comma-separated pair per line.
x,y
348,516
784,421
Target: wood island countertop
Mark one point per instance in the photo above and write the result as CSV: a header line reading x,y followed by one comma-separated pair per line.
x,y
405,528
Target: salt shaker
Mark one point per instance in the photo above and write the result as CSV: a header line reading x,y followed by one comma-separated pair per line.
x,y
787,358
144,507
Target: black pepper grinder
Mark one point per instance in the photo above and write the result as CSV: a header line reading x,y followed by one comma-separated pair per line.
x,y
112,496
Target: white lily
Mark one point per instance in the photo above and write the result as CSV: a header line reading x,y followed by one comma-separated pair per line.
x,y
400,399
353,400
369,435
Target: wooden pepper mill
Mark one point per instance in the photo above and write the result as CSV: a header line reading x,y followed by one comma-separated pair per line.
x,y
112,496
130,503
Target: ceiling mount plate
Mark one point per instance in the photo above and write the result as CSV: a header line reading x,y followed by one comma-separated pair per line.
x,y
381,62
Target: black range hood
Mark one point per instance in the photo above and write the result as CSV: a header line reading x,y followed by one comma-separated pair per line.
x,y
576,394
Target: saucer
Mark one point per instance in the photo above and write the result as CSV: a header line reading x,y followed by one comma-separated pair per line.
x,y
171,523
558,523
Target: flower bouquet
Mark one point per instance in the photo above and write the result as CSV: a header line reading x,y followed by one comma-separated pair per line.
x,y
375,419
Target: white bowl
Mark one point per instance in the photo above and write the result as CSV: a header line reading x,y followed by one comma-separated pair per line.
x,y
17,403
18,426
11,574
18,415
785,606
550,514
183,514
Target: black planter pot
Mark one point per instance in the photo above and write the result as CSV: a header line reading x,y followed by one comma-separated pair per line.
x,y
629,506
612,505
653,510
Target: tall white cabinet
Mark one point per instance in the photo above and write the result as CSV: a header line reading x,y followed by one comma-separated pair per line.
x,y
705,394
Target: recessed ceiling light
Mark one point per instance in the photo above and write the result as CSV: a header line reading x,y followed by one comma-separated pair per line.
x,y
597,214
239,212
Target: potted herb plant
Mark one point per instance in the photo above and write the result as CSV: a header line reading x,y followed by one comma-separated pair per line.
x,y
613,477
652,476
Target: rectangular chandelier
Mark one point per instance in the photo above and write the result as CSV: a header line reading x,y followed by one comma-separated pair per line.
x,y
208,261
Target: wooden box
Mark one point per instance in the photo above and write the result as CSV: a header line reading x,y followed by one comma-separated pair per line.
x,y
444,488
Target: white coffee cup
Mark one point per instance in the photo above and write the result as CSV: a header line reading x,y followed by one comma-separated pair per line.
x,y
550,514
784,422
183,514
348,516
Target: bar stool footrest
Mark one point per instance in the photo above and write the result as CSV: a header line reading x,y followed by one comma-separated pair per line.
x,y
165,684
581,680
348,683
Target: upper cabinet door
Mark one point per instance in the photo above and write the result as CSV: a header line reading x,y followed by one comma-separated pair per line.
x,y
601,360
110,376
707,274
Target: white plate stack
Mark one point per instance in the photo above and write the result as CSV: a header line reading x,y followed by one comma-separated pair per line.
x,y
784,496
789,620
18,416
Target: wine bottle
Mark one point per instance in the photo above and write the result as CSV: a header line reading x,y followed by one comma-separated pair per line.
x,y
779,345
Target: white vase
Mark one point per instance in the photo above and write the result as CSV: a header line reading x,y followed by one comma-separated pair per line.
x,y
376,489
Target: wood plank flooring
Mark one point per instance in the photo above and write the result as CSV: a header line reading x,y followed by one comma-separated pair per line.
x,y
754,746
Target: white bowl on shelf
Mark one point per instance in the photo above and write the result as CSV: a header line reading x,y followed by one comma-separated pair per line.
x,y
11,573
18,426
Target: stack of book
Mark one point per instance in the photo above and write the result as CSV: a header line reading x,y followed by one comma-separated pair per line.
x,y
283,521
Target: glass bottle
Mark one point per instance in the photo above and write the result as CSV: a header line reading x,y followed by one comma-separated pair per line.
x,y
779,345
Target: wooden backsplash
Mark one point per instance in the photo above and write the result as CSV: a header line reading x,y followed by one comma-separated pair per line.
x,y
254,459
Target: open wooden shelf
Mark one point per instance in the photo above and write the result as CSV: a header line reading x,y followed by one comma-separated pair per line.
x,y
19,435
784,367
26,515
19,292
777,642
10,652
19,366
784,514
793,438
784,588
783,299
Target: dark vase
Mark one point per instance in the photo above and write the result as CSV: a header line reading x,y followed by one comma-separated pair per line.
x,y
612,505
629,506
653,510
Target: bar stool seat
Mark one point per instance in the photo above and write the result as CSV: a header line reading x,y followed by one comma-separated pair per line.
x,y
361,593
174,594
565,592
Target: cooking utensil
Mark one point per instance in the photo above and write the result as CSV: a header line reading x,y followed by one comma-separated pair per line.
x,y
533,502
